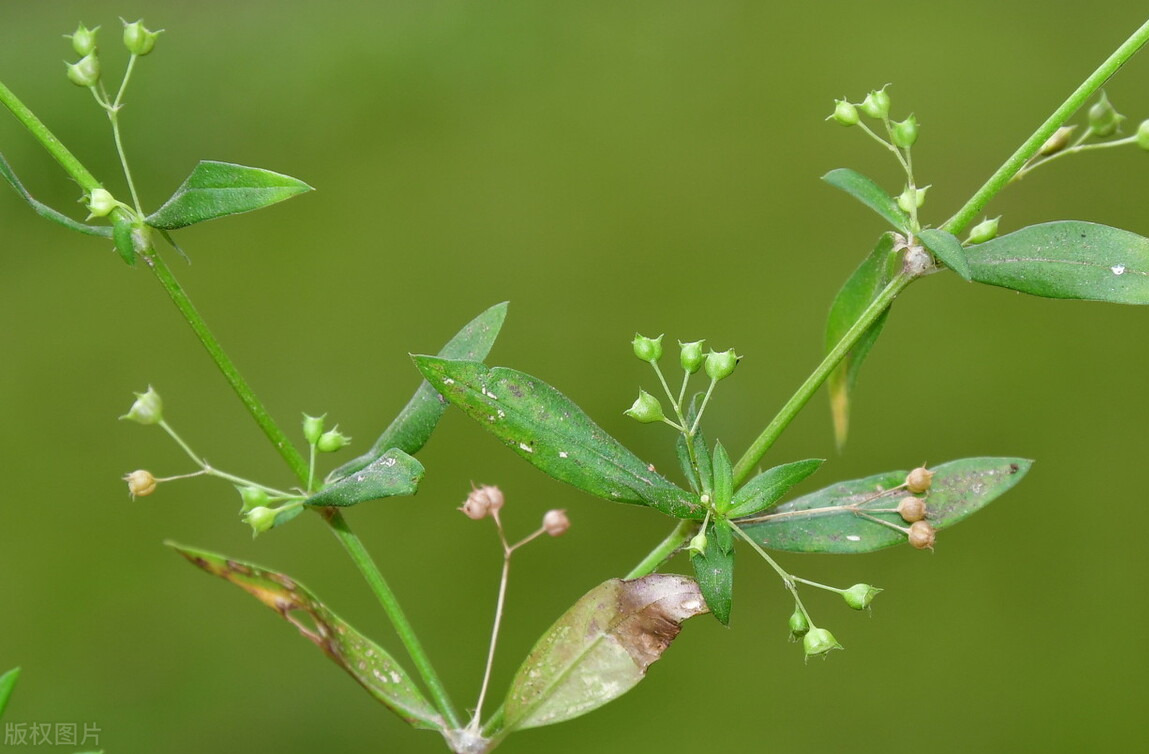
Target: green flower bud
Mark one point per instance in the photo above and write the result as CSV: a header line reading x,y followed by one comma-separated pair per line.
x,y
721,365
331,441
260,519
819,641
799,626
86,71
647,349
101,203
139,40
148,408
312,428
1103,118
691,356
905,133
1143,135
912,198
1057,142
859,596
697,543
845,112
83,40
984,231
253,497
877,104
646,408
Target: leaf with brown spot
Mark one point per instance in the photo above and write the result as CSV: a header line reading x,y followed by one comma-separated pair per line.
x,y
600,648
367,662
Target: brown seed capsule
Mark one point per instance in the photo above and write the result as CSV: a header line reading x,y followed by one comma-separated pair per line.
x,y
918,480
140,483
922,535
556,522
912,509
482,502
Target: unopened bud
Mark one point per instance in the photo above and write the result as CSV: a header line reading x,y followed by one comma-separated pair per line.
x,y
253,497
984,231
845,112
919,480
645,409
818,641
1057,142
922,535
698,544
905,133
140,483
1104,118
691,356
83,40
912,198
331,441
877,104
86,71
721,365
911,509
647,349
1143,135
859,596
101,203
555,522
260,519
482,502
148,408
799,625
139,40
312,428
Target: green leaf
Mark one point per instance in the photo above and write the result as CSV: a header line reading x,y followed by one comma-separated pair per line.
x,y
411,429
870,194
43,210
218,189
714,571
723,479
948,249
125,245
547,429
7,683
1067,259
859,291
393,473
768,487
600,648
832,520
364,660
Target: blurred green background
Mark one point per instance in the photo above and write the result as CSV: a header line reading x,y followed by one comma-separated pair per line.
x,y
607,167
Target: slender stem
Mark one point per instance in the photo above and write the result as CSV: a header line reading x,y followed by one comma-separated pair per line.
x,y
354,547
1029,148
787,579
278,439
180,441
786,414
55,147
676,539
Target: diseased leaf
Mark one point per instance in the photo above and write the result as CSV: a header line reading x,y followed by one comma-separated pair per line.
x,y
948,249
600,648
217,189
834,519
714,571
43,210
870,194
1067,259
411,429
868,280
768,487
364,660
7,683
393,473
547,429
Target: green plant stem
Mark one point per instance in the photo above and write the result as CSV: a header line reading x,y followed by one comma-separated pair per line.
x,y
55,147
407,635
964,216
786,414
676,539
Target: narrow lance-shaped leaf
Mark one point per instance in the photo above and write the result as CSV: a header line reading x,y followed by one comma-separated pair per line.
x,y
947,248
394,473
859,291
870,194
768,487
43,210
714,570
840,518
701,453
364,660
600,648
1067,259
218,189
547,429
7,683
411,429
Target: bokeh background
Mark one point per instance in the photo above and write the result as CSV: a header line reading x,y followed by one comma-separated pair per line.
x,y
607,167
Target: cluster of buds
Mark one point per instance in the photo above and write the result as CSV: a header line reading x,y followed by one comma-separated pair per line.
x,y
912,509
718,365
876,105
487,500
324,441
86,71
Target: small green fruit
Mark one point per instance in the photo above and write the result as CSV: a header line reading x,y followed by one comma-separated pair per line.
x,y
905,133
86,71
148,408
859,596
721,365
83,40
819,641
331,441
1104,118
984,231
137,39
260,519
691,356
647,349
253,497
877,104
646,409
845,113
312,428
1143,135
798,624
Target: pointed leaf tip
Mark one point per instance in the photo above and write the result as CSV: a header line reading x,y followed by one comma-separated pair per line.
x,y
218,189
